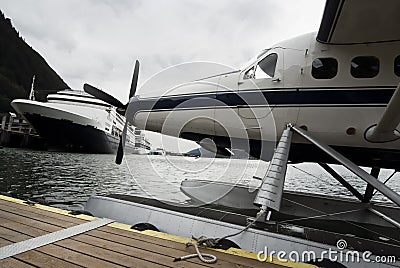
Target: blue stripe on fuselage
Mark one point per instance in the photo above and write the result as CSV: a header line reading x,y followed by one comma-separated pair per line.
x,y
294,97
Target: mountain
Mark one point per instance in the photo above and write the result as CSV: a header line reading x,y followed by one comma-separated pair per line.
x,y
18,64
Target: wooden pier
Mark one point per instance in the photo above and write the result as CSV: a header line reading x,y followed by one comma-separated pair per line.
x,y
17,132
113,245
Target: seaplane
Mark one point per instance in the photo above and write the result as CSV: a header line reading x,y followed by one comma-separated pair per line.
x,y
329,97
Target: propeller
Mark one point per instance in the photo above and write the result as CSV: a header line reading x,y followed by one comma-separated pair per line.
x,y
101,95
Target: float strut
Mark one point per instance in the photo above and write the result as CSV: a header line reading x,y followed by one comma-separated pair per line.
x,y
342,181
369,192
356,170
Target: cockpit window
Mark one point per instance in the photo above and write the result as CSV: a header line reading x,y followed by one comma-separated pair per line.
x,y
266,67
365,67
249,74
324,68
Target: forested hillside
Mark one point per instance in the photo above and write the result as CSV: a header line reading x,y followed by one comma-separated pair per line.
x,y
18,64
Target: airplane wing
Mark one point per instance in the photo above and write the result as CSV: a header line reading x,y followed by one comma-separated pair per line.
x,y
360,21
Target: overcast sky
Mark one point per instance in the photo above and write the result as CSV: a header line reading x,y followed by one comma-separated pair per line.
x,y
97,41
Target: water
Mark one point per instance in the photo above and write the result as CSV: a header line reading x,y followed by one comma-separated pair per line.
x,y
67,180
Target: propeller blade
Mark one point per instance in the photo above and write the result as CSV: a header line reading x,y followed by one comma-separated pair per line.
x,y
101,95
121,145
135,78
122,109
120,152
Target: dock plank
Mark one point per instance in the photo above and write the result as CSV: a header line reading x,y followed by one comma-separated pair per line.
x,y
44,216
12,236
60,252
76,257
4,242
46,226
109,255
33,257
13,263
103,247
40,259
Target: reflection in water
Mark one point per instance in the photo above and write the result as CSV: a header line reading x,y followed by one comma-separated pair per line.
x,y
67,180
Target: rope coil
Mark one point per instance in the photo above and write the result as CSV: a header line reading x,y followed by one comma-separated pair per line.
x,y
212,243
208,241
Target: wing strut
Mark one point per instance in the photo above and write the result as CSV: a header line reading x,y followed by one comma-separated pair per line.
x,y
385,130
356,170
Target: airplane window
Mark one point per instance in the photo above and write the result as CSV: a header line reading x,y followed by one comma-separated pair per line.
x,y
397,65
324,68
249,74
266,67
365,67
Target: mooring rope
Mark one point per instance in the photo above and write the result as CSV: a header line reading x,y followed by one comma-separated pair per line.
x,y
212,258
212,243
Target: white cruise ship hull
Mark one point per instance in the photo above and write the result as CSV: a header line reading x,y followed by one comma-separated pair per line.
x,y
69,131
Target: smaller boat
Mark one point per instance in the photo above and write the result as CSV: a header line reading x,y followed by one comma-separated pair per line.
x,y
74,121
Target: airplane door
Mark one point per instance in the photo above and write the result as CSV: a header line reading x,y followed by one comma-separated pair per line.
x,y
270,89
256,81
255,86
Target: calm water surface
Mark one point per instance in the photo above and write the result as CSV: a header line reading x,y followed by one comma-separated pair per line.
x,y
67,180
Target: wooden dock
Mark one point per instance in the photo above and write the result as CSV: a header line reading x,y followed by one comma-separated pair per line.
x,y
113,245
18,133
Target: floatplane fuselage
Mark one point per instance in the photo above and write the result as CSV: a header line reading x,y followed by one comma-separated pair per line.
x,y
326,97
338,93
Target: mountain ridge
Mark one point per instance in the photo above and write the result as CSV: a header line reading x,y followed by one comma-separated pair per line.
x,y
19,62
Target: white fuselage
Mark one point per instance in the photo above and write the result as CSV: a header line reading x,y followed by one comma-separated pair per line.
x,y
336,92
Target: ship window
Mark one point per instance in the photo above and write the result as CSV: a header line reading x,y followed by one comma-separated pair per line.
x,y
365,67
266,67
397,65
324,68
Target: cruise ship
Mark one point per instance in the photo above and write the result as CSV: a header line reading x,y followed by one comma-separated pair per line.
x,y
74,121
